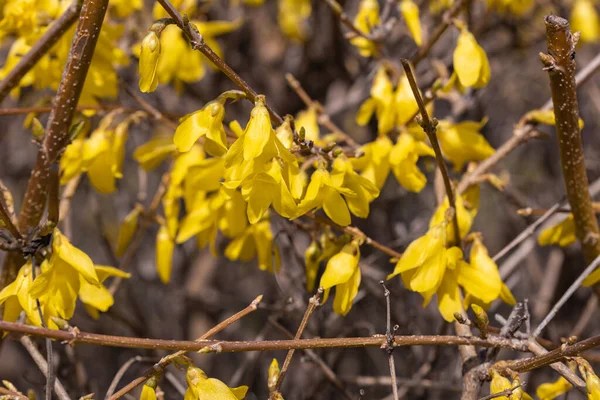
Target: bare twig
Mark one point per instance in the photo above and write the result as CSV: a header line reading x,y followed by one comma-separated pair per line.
x,y
559,367
389,344
40,48
313,303
39,360
160,366
429,127
574,286
117,378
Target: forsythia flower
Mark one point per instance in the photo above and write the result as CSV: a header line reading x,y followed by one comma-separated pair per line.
x,y
500,384
403,160
68,274
206,122
562,234
375,164
470,61
148,392
101,155
201,387
391,108
545,117
549,391
462,142
23,17
308,119
292,17
256,240
432,265
123,8
154,152
410,12
165,245
366,19
149,55
343,272
516,7
585,19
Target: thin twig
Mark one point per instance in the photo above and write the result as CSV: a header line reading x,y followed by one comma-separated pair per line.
x,y
530,230
505,393
574,286
161,365
40,48
559,367
39,360
429,127
389,345
313,303
117,378
338,10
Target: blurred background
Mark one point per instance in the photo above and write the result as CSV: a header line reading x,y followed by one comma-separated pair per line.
x,y
205,289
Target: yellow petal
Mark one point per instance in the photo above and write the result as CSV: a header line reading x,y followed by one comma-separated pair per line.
x,y
341,266
548,391
258,131
149,55
410,12
467,59
164,254
562,234
76,258
345,294
127,230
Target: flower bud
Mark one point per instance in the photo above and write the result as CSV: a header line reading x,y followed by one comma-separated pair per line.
x,y
148,62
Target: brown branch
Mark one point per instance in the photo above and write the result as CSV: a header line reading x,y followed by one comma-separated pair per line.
x,y
40,48
216,346
560,64
199,44
162,364
559,367
313,303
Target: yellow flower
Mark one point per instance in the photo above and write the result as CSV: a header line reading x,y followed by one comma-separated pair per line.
x,y
98,298
148,392
549,391
206,122
465,219
592,384
127,230
585,19
366,19
165,245
381,103
258,130
499,384
562,234
462,142
312,260
516,7
375,164
292,18
154,152
307,119
480,277
410,12
470,61
323,192
179,63
15,297
201,387
273,374
343,272
149,56
256,240
545,117
343,175
403,160
123,8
